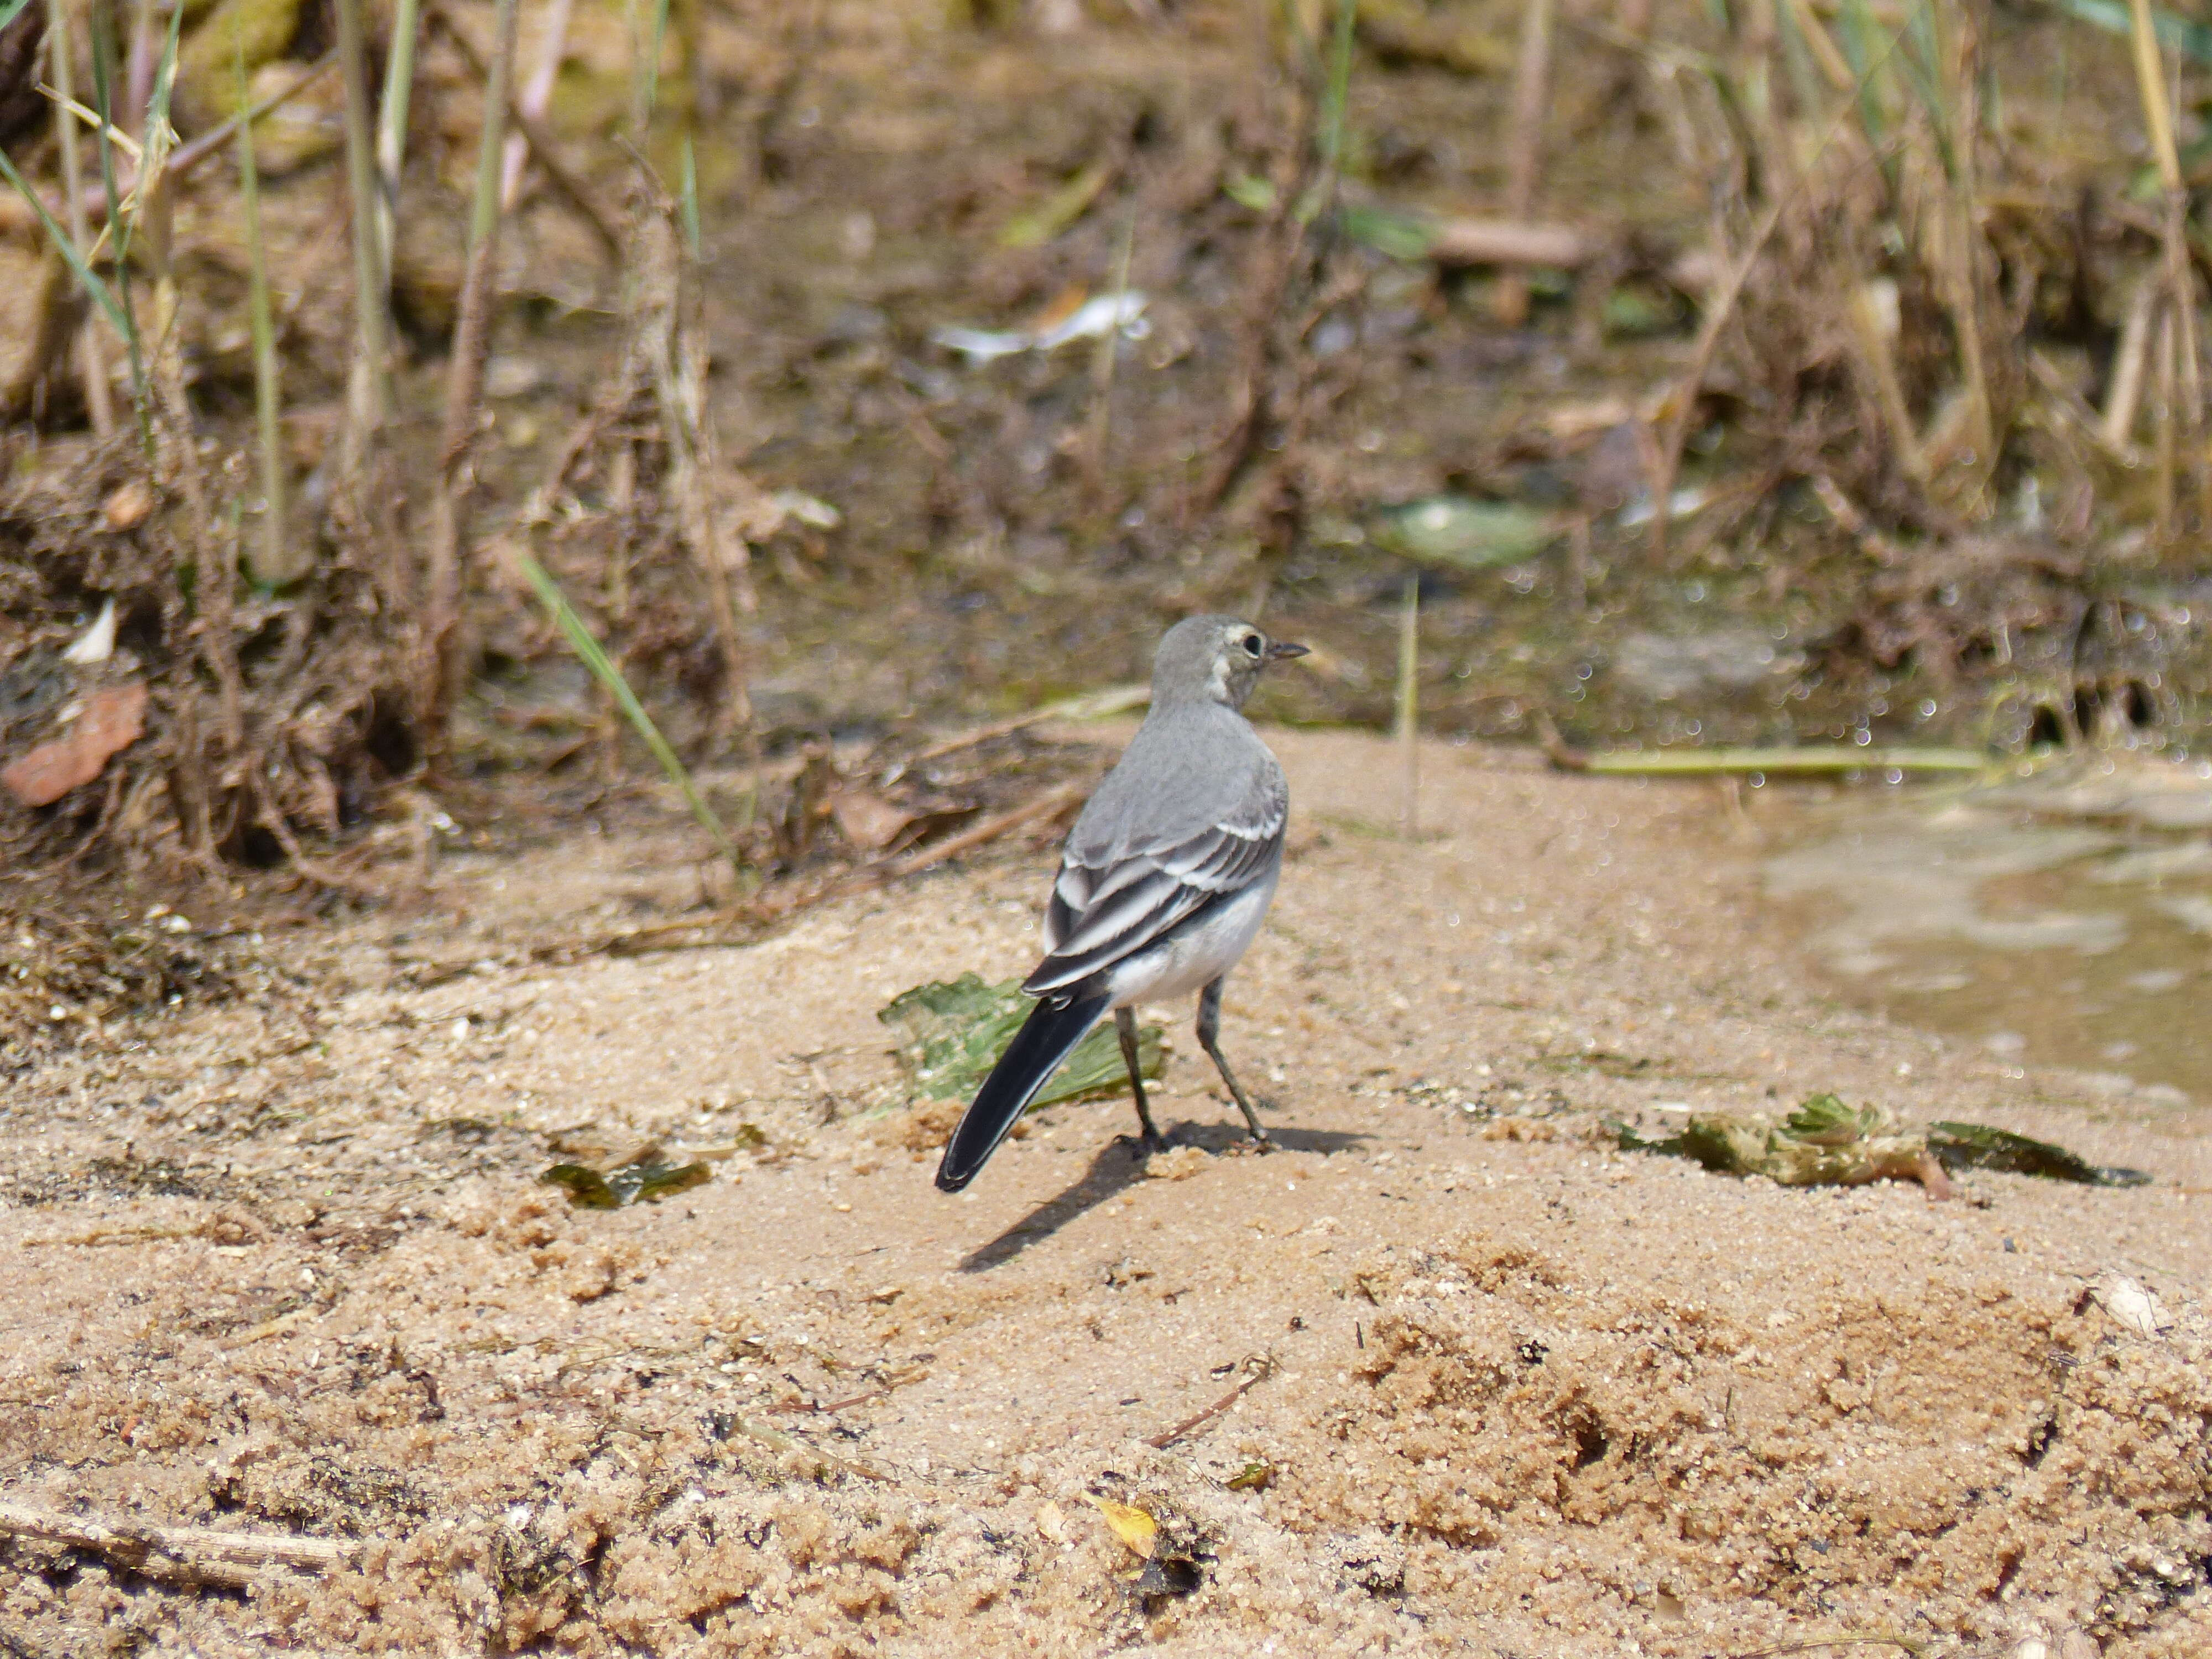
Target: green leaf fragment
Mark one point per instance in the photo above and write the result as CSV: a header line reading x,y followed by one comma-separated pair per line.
x,y
1395,236
1467,534
953,1032
1977,1147
1058,211
641,1176
1825,1142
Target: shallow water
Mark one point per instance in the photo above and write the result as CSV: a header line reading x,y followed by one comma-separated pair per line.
x,y
2064,920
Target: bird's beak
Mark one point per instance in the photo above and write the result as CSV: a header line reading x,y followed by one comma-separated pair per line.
x,y
1283,651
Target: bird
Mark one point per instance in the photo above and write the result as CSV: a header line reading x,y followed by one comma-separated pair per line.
x,y
1162,883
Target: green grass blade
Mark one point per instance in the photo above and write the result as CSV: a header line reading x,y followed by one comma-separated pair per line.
x,y
590,654
690,200
101,294
2191,39
659,40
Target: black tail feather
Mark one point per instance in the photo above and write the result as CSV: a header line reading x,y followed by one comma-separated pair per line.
x,y
1052,1031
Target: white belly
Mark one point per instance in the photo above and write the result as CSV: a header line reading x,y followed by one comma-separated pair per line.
x,y
1195,954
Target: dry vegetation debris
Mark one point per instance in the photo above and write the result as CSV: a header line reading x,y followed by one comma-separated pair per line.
x,y
1922,361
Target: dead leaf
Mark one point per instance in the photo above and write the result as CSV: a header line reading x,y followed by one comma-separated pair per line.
x,y
1135,1527
866,820
2132,1305
113,720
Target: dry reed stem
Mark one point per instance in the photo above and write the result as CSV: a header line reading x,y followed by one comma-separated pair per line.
x,y
1973,279
391,131
368,381
2180,407
276,564
141,67
1103,360
1871,328
1524,146
438,671
672,344
92,360
194,1554
1409,707
1854,524
2130,359
2163,423
214,554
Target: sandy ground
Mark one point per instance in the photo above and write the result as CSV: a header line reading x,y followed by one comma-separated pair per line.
x,y
284,1265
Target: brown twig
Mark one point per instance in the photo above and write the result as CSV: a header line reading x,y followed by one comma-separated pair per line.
x,y
1720,305
891,1387
1854,523
1041,807
1257,1369
1563,756
191,1554
1524,145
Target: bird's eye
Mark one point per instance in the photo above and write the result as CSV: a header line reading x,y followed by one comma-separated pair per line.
x,y
1251,645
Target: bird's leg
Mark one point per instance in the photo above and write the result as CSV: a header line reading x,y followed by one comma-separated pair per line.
x,y
1125,1027
1209,1036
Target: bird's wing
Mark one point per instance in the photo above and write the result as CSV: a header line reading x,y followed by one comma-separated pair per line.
x,y
1116,894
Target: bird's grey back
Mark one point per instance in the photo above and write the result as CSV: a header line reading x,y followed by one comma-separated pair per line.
x,y
1192,766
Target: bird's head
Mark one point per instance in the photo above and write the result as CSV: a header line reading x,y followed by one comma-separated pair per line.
x,y
1214,660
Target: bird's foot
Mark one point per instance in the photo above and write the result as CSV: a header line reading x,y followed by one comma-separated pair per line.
x,y
1144,1145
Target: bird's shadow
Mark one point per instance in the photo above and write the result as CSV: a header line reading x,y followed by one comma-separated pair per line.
x,y
1120,1165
